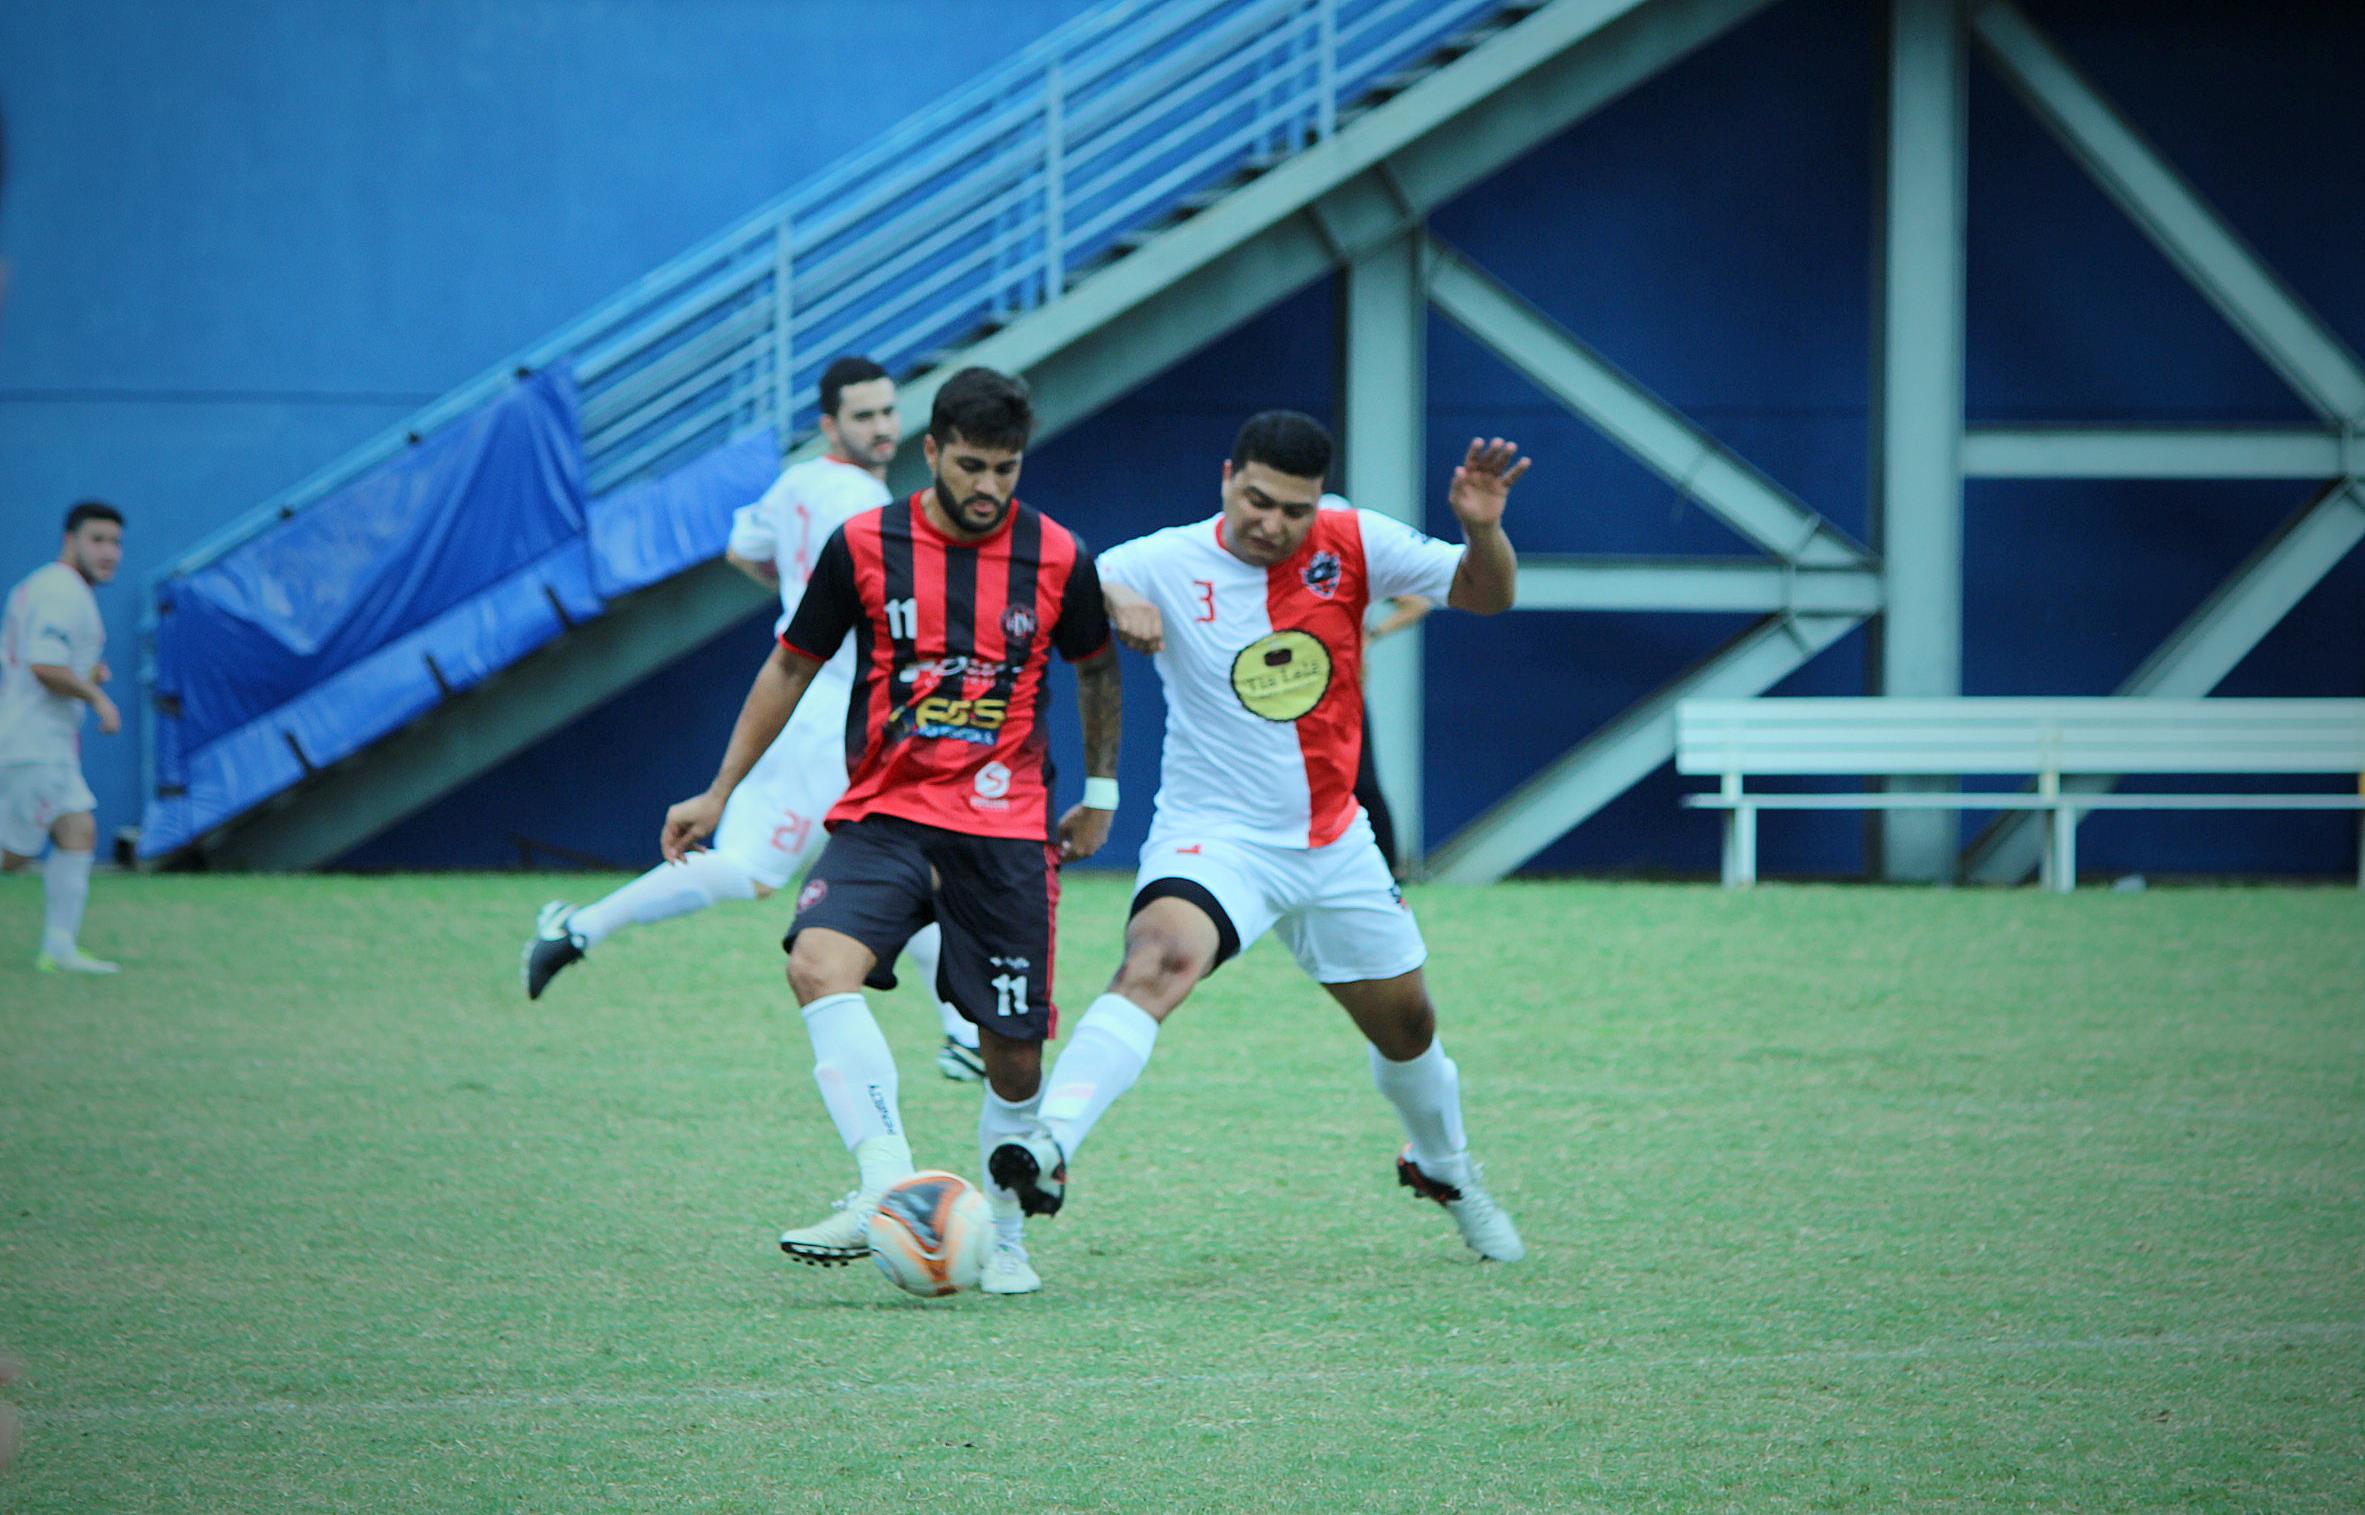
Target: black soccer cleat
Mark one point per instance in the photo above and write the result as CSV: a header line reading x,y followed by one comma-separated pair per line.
x,y
553,945
1034,1169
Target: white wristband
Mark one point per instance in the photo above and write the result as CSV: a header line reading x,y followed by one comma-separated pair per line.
x,y
1100,794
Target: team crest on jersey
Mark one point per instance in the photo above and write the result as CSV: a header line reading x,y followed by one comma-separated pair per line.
x,y
1321,574
1018,624
814,892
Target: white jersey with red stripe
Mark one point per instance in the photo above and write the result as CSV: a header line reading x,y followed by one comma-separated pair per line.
x,y
1263,668
52,620
788,525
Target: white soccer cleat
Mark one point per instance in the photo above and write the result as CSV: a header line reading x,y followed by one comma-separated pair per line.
x,y
963,1065
72,962
1485,1225
840,1238
1008,1271
1033,1168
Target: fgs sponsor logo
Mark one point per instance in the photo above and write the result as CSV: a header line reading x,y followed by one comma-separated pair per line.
x,y
953,698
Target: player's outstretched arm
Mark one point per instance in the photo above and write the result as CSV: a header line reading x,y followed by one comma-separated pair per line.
x,y
1100,702
1488,580
779,684
1133,618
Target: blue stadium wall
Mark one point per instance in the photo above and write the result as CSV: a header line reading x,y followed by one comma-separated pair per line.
x,y
247,236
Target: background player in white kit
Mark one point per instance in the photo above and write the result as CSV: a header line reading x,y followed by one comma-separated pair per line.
x,y
773,824
50,671
1256,621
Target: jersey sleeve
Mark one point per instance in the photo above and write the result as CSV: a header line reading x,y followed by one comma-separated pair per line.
x,y
832,604
1127,563
1401,560
50,613
1083,627
754,536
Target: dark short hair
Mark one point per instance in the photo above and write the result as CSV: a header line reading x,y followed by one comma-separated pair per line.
x,y
1287,441
850,369
91,510
984,409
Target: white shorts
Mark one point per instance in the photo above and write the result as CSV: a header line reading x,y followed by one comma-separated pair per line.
x,y
32,798
773,823
1336,908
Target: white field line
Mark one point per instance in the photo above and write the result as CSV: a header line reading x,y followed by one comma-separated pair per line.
x,y
1525,1372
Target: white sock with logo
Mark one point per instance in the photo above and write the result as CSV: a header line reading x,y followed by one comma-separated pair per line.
x,y
1111,1046
925,949
665,891
856,1074
65,889
1427,1093
998,1121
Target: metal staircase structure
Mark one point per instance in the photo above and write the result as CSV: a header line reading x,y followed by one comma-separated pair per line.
x,y
1122,193
1158,172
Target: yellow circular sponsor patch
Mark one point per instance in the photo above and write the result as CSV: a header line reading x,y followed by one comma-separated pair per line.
x,y
1282,676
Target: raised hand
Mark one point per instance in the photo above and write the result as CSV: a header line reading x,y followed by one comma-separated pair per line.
x,y
1482,484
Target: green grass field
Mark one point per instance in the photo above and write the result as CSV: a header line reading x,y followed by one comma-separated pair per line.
x,y
1837,1199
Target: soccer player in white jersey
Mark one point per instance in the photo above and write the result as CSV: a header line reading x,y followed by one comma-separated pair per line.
x,y
1255,620
774,822
50,676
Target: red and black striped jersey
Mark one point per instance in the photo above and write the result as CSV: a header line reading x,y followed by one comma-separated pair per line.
x,y
952,642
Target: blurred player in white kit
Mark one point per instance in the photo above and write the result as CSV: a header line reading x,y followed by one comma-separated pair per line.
x,y
51,671
773,824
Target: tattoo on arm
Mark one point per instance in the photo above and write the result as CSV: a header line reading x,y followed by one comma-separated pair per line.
x,y
1100,699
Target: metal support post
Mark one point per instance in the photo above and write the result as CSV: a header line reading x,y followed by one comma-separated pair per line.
x,y
1918,396
1326,40
1055,232
1383,320
784,349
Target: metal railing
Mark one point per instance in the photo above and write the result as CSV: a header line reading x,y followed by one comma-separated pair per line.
x,y
960,219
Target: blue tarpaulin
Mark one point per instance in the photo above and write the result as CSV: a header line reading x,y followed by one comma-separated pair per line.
x,y
655,530
412,584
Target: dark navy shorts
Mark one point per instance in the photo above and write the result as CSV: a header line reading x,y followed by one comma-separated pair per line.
x,y
882,878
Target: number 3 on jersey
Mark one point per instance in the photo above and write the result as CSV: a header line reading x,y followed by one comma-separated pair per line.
x,y
1206,588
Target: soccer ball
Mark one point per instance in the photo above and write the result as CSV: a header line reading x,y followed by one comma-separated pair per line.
x,y
932,1233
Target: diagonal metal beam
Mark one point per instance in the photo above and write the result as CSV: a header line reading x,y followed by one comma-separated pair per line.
x,y
2201,652
1658,436
1579,581
2181,452
1615,758
2207,251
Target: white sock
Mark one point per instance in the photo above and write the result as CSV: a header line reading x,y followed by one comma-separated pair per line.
x,y
665,891
1427,1094
924,949
1000,1120
65,888
855,1070
1111,1046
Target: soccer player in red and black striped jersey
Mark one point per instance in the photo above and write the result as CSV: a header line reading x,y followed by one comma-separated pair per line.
x,y
955,598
